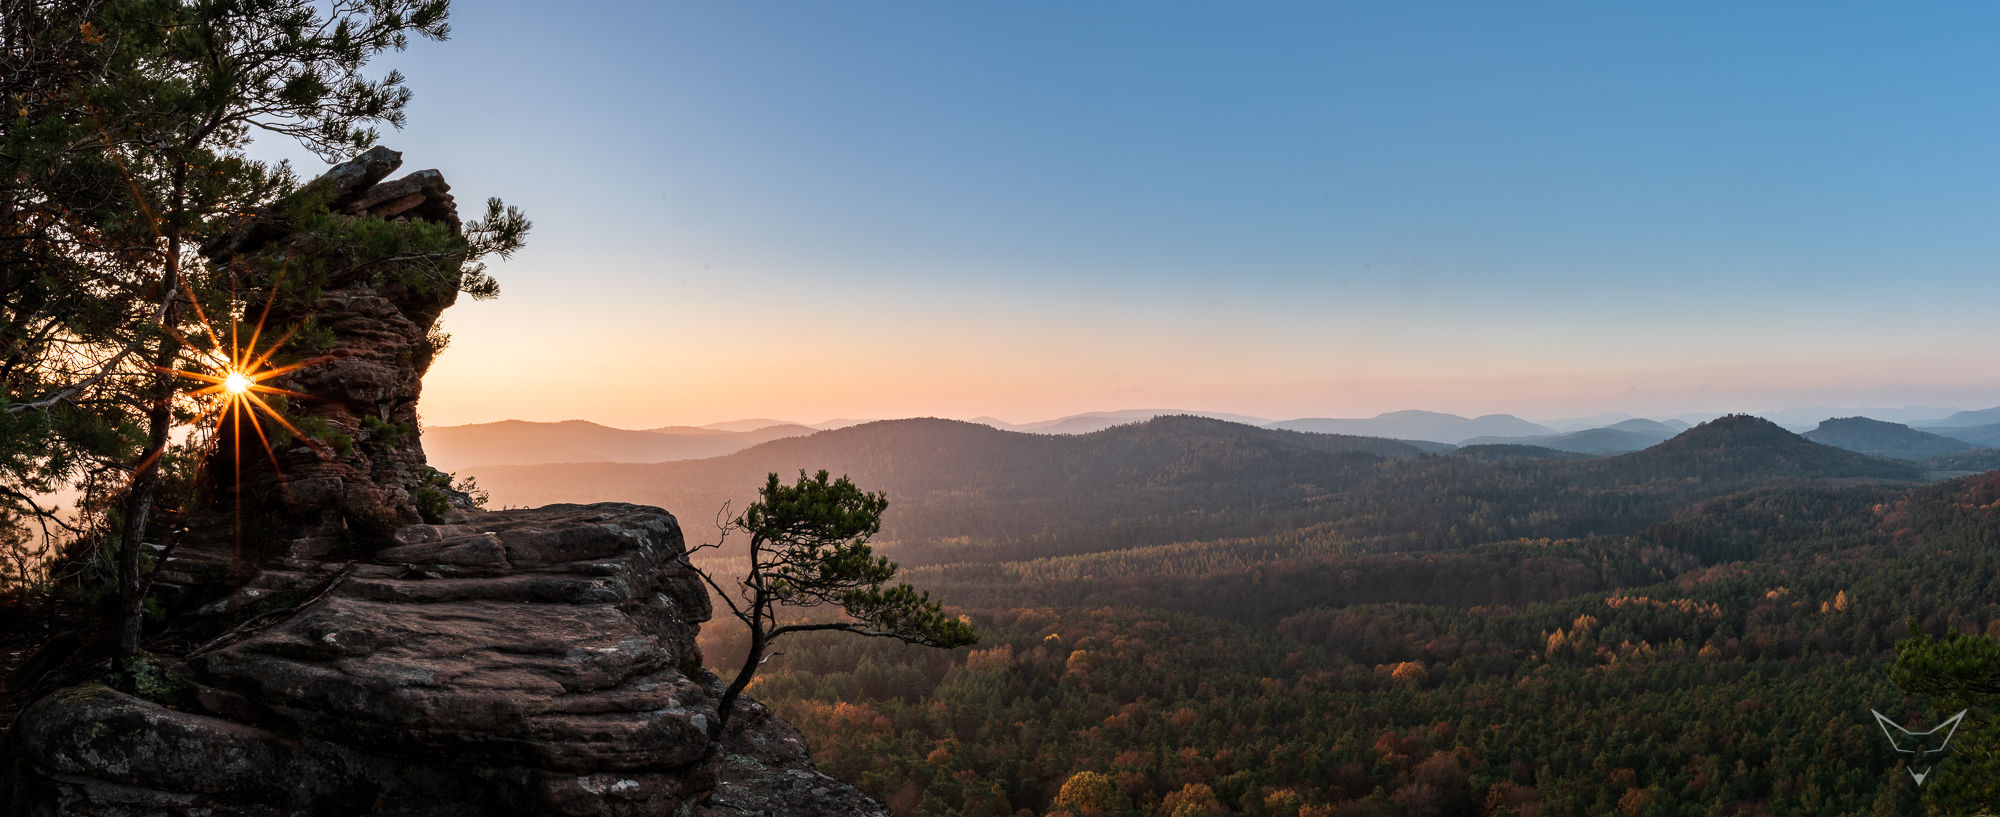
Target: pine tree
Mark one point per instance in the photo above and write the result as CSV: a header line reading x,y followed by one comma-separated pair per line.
x,y
122,156
809,548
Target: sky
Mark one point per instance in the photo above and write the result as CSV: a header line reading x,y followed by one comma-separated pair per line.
x,y
872,209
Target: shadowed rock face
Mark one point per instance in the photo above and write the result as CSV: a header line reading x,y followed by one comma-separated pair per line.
x,y
568,647
364,388
532,661
522,662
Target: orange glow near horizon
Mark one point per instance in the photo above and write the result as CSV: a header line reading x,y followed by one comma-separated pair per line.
x,y
471,387
649,356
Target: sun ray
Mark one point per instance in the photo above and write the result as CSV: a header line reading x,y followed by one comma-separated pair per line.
x,y
276,416
212,411
275,390
273,348
191,346
270,297
149,460
233,380
227,375
200,315
266,441
266,357
265,374
194,375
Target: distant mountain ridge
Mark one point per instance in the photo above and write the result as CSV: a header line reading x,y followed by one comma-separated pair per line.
x,y
1619,420
1596,441
1740,443
1421,425
1166,479
1882,439
519,442
1804,419
1980,435
928,455
968,492
1967,418
1099,420
527,443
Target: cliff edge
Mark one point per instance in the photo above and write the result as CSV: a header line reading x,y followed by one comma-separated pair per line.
x,y
358,639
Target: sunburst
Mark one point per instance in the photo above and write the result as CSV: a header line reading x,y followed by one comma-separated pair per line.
x,y
237,375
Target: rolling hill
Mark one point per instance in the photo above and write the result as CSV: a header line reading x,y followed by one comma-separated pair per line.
x,y
1618,438
1168,479
926,457
1988,434
964,492
1421,425
1881,439
1619,420
1641,425
1742,444
1101,420
1981,417
1964,463
1502,452
1594,441
517,442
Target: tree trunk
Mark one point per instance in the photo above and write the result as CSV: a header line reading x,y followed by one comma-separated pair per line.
x,y
131,597
159,422
139,509
735,690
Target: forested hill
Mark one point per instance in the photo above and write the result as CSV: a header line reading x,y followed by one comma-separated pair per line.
x,y
961,492
1167,479
1741,446
1885,439
911,459
1721,661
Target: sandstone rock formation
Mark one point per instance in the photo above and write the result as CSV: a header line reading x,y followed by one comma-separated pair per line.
x,y
521,662
365,475
541,661
766,772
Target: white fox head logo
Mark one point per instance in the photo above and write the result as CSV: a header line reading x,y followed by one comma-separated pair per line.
x,y
1922,744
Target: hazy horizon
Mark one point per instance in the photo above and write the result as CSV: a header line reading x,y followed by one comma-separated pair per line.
x,y
1904,414
1281,211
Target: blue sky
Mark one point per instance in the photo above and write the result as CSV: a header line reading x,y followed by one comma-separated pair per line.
x,y
1027,209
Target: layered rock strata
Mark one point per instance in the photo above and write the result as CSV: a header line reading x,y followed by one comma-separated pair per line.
x,y
521,662
537,662
332,655
365,335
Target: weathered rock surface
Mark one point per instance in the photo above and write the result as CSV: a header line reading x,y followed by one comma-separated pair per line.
x,y
523,662
516,662
766,772
578,661
104,753
553,673
363,475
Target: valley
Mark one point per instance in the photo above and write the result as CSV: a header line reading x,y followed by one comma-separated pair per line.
x,y
1292,623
